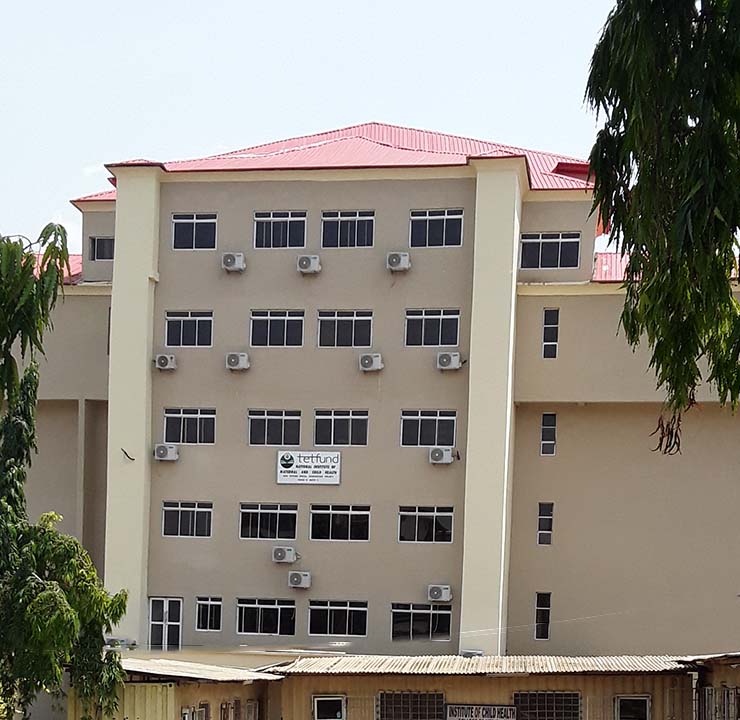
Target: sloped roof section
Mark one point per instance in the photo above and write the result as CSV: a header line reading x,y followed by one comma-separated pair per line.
x,y
75,266
164,667
609,267
378,145
104,196
484,665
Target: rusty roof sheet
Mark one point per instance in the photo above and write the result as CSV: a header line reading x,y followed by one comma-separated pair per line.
x,y
164,667
483,665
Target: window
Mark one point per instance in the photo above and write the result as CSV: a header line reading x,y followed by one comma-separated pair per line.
x,y
268,521
347,228
281,428
548,251
425,524
544,523
190,426
194,231
420,622
277,328
165,623
542,616
547,434
265,617
186,519
340,522
410,706
547,705
428,428
189,328
345,328
208,614
101,248
329,707
637,707
337,617
232,710
550,327
436,228
340,427
432,328
280,229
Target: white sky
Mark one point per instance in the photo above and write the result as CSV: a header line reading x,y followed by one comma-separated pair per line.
x,y
85,82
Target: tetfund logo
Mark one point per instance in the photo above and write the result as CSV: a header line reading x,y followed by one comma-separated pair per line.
x,y
287,461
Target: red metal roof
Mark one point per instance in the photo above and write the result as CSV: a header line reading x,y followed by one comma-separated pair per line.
x,y
609,267
97,197
75,267
379,145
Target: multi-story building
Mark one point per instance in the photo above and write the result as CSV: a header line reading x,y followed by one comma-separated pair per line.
x,y
392,353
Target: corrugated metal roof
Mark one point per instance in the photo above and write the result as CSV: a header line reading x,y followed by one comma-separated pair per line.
x,y
381,145
162,667
484,665
104,196
609,267
75,269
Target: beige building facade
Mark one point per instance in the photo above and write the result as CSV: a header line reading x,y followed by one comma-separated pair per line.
x,y
554,528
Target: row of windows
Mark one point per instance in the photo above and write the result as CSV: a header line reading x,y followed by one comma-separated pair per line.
x,y
332,428
279,521
427,327
270,616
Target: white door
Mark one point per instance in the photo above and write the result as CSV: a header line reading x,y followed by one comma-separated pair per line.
x,y
165,623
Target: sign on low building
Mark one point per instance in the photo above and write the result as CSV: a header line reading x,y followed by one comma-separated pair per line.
x,y
314,467
481,712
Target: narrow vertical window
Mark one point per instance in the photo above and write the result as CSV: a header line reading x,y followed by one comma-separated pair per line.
x,y
550,332
542,609
547,434
101,248
208,614
544,523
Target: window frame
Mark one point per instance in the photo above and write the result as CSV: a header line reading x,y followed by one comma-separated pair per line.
x,y
165,621
432,607
543,516
338,219
437,418
541,716
346,605
544,442
251,412
538,608
451,313
286,316
545,326
336,317
349,513
444,232
647,697
206,510
354,413
540,240
438,510
199,315
317,698
195,220
273,603
94,248
259,510
209,600
300,215
201,412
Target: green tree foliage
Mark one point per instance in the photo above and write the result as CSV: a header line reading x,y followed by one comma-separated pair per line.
x,y
54,610
665,76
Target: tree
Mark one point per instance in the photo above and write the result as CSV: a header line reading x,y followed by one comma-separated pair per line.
x,y
54,611
665,75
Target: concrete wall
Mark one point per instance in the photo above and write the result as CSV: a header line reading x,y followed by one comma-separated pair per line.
x,y
96,223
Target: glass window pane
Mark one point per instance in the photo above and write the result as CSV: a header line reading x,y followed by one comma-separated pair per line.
x,y
205,235
330,230
449,331
172,429
274,431
287,621
552,316
453,232
407,528
248,525
359,431
550,334
419,233
204,332
286,526
203,524
183,236
319,621
436,232
268,525
428,432
292,432
171,522
257,429
432,329
341,431
443,528
441,625
259,332
446,432
295,333
174,333
157,610
190,430
410,431
188,333
338,621
425,528
249,617
276,332
550,252
207,430
569,254
320,525
359,527
173,637
421,627
357,622
530,255
269,620
344,333
401,625
296,233
365,233
414,331
362,333
327,332
339,526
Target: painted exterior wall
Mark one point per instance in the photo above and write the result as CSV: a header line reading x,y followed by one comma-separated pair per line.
x,y
97,222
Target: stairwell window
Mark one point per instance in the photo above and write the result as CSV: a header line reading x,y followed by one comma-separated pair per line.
x,y
550,332
347,228
428,428
545,511
189,328
340,428
550,251
208,614
268,521
542,609
340,522
342,618
194,231
277,328
432,327
345,328
412,621
436,228
280,229
190,426
187,519
548,433
425,524
101,248
278,428
260,616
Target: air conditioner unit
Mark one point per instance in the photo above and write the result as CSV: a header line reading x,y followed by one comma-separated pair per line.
x,y
237,361
448,361
299,579
165,362
308,264
439,593
440,455
166,452
398,261
283,554
371,362
233,262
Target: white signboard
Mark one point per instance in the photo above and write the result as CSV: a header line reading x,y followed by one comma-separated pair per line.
x,y
312,467
481,712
